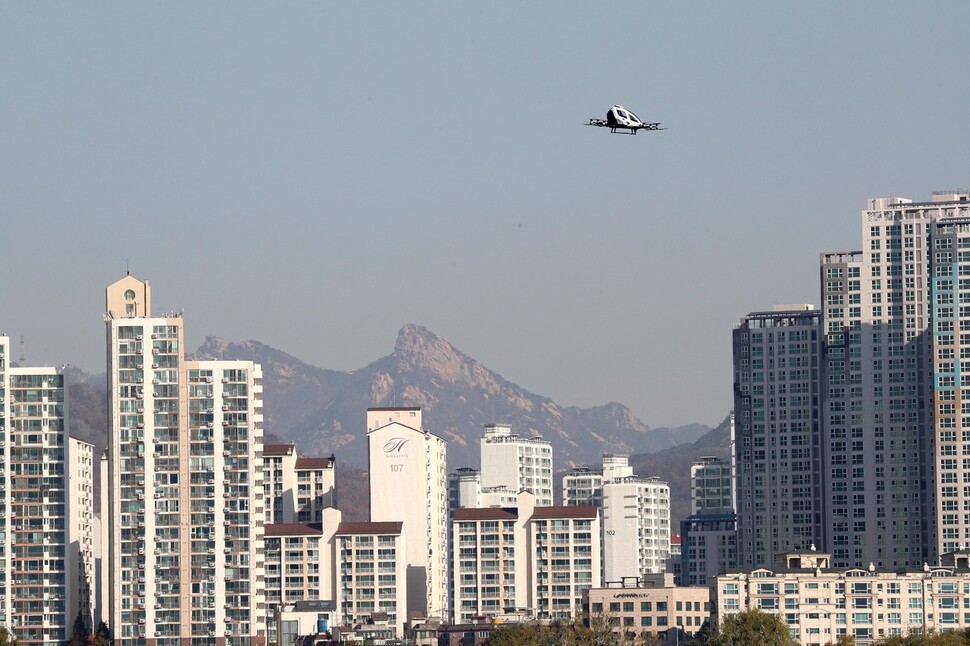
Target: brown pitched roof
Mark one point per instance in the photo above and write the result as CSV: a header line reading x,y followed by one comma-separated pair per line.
x,y
292,529
485,513
392,527
314,463
278,449
584,511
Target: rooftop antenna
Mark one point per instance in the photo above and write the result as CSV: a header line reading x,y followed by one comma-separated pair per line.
x,y
23,356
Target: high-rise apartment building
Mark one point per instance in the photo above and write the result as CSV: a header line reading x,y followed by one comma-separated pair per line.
x,y
709,534
635,516
45,545
81,532
711,485
517,463
408,484
584,486
949,353
636,527
184,484
776,407
892,334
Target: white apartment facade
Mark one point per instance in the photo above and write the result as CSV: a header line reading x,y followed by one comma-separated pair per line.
x,y
42,570
408,484
584,486
949,312
516,463
492,560
525,558
892,332
635,516
297,489
371,573
184,485
711,486
636,527
565,542
82,530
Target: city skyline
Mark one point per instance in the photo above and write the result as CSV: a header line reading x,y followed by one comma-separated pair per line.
x,y
322,160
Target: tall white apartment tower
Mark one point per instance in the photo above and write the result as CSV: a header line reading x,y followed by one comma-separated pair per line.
x,y
949,338
39,594
893,403
517,463
636,527
408,484
777,453
185,511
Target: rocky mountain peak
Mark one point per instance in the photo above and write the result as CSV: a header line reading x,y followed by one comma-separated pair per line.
x,y
214,347
419,349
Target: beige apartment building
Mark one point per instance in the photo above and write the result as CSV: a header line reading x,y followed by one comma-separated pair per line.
x,y
648,606
820,603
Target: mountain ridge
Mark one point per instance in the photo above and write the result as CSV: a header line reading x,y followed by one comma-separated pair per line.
x,y
325,409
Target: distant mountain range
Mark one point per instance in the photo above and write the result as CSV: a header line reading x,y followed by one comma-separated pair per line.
x,y
323,412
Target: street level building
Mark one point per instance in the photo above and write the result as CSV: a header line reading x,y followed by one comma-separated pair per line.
x,y
647,607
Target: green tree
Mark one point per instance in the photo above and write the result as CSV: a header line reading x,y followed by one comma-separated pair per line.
x,y
514,635
80,635
753,627
7,638
101,636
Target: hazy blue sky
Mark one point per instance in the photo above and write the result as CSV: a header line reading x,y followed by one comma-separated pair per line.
x,y
314,176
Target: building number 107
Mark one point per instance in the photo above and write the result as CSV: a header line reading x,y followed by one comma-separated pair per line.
x,y
395,468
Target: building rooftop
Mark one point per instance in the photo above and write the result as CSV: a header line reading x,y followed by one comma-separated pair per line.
x,y
315,463
278,450
293,529
485,513
580,511
390,527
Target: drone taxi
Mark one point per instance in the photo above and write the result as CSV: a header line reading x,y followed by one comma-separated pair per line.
x,y
620,117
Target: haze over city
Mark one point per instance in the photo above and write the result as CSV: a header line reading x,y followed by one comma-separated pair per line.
x,y
316,176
